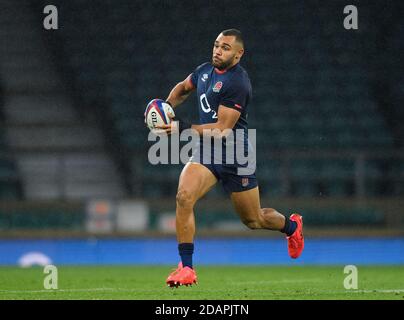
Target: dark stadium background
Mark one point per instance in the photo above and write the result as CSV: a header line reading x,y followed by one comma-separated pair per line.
x,y
75,183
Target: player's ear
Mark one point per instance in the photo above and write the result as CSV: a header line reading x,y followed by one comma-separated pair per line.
x,y
240,53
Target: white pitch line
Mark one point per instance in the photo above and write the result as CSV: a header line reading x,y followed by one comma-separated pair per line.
x,y
65,290
319,292
269,282
378,291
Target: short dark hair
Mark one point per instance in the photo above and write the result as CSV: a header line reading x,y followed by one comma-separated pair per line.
x,y
235,33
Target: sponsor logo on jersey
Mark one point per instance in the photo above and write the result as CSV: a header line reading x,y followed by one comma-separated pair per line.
x,y
204,77
218,86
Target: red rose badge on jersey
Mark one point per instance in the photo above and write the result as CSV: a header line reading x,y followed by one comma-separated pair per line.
x,y
218,86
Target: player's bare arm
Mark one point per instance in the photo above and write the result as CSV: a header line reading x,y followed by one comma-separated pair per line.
x,y
180,92
226,120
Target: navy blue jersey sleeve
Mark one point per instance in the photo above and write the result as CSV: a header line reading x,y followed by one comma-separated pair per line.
x,y
236,95
193,77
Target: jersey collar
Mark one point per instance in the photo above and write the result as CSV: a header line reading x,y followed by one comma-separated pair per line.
x,y
224,71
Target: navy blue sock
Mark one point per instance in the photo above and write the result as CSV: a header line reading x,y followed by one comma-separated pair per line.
x,y
290,227
186,251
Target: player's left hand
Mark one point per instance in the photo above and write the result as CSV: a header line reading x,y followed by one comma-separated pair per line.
x,y
170,128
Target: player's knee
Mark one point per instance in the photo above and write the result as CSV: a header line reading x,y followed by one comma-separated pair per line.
x,y
185,198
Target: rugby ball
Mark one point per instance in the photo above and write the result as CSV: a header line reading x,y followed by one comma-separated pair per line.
x,y
157,113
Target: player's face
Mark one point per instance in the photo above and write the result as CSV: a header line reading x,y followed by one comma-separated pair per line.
x,y
226,52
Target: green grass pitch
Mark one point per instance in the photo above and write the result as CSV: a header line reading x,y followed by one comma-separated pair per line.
x,y
215,283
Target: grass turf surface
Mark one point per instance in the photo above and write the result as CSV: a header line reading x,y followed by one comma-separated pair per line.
x,y
215,283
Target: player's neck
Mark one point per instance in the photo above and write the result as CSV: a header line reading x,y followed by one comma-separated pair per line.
x,y
221,71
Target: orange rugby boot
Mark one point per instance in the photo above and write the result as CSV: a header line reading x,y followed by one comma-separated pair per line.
x,y
296,240
182,277
170,278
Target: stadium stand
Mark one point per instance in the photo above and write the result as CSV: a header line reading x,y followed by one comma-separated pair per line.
x,y
9,178
313,85
327,104
59,153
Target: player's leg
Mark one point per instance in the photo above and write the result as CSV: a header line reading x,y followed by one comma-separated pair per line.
x,y
247,205
195,181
